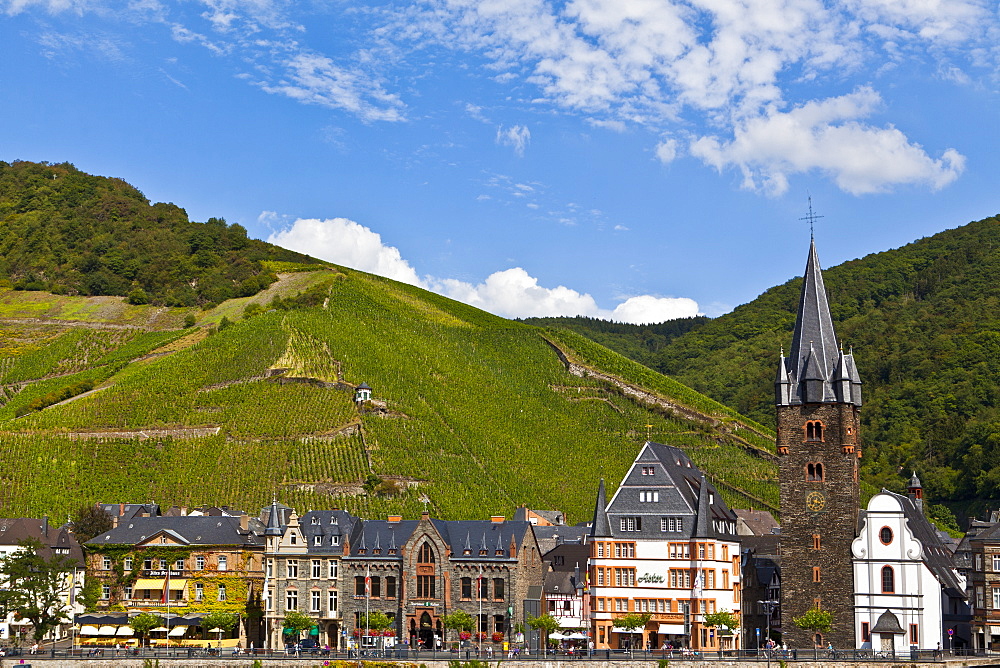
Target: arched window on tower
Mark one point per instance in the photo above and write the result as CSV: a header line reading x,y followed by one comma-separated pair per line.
x,y
888,580
814,430
814,472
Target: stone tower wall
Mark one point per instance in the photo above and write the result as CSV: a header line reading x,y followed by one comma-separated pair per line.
x,y
827,509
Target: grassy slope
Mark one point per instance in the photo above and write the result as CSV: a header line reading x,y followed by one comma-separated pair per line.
x,y
483,415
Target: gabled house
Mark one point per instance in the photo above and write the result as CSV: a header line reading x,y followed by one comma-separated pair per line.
x,y
55,541
666,545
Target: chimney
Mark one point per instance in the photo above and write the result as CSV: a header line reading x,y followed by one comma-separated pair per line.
x,y
498,519
184,511
45,525
244,523
121,509
395,518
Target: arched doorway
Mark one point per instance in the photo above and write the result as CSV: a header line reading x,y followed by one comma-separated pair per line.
x,y
426,630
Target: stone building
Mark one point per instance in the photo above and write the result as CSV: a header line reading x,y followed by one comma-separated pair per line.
x,y
666,545
817,398
419,571
303,571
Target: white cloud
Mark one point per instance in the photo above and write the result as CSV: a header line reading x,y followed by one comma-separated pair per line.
x,y
346,242
510,293
516,136
827,136
666,150
316,79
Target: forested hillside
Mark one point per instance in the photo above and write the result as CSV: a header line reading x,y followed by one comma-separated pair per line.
x,y
71,233
923,321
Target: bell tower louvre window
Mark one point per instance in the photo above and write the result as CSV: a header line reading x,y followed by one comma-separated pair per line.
x,y
814,472
814,431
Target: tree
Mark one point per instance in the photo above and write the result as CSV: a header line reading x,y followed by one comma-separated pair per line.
x,y
90,520
376,620
815,620
724,619
296,622
145,622
633,621
459,620
546,624
220,620
36,586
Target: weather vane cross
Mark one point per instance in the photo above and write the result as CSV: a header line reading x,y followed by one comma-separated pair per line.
x,y
811,217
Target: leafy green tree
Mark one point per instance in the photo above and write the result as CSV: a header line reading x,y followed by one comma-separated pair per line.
x,y
189,321
36,586
90,520
459,620
546,624
723,619
220,620
377,620
145,622
633,621
815,621
296,622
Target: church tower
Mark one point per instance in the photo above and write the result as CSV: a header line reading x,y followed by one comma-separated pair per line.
x,y
817,398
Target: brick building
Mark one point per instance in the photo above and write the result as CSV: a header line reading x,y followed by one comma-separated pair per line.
x,y
818,398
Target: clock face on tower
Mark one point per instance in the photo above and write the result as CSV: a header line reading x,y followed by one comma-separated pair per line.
x,y
815,501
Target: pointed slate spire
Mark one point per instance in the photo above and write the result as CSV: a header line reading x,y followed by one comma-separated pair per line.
x,y
816,370
783,383
813,324
273,520
467,548
600,527
482,545
499,547
703,523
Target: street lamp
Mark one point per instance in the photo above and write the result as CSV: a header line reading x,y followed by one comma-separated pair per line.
x,y
768,610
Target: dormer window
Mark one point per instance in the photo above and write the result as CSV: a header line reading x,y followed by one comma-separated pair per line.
x,y
335,540
293,539
814,430
314,520
317,540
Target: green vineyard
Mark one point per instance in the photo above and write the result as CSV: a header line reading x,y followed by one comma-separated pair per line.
x,y
473,415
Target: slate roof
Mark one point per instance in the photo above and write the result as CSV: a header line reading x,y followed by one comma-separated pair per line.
x,y
815,355
760,522
189,530
550,537
481,539
326,524
14,530
683,491
130,510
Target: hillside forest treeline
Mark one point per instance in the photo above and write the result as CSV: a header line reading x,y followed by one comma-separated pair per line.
x,y
72,233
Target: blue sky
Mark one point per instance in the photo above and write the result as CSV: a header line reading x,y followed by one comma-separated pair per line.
x,y
626,159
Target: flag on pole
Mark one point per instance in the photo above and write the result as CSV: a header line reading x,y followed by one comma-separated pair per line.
x,y
166,588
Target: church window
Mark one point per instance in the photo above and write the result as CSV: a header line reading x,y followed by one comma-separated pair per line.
x,y
426,554
814,472
814,430
885,535
888,580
